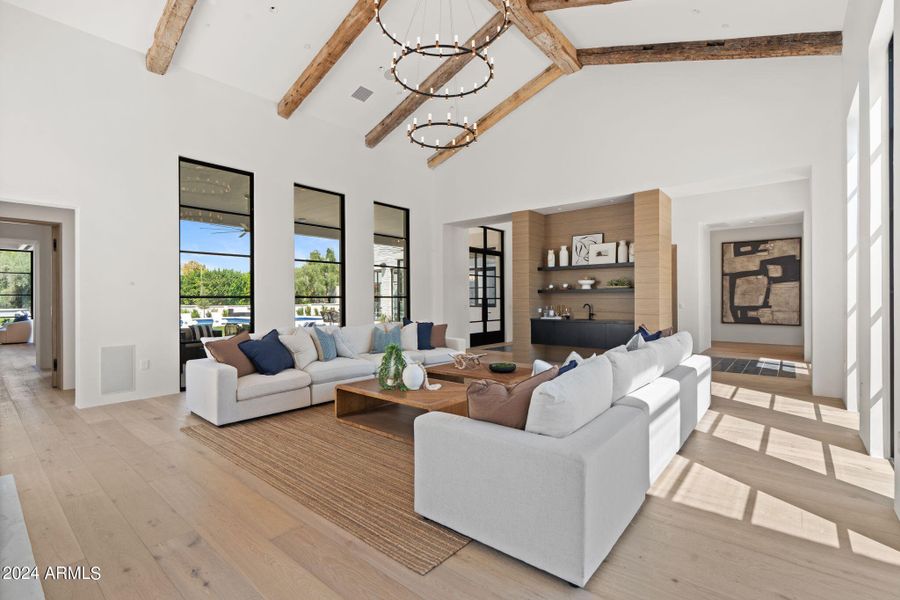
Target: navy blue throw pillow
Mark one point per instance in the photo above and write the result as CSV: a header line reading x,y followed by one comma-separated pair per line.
x,y
648,337
406,321
423,330
268,355
20,318
567,367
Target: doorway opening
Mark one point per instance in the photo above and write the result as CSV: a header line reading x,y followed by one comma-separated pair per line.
x,y
486,279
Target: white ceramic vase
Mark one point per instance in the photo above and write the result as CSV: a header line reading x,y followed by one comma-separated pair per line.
x,y
563,256
413,376
551,259
622,252
631,252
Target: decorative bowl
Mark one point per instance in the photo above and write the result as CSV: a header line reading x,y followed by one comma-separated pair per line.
x,y
586,284
565,286
502,367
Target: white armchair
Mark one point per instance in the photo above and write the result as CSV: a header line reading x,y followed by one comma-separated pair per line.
x,y
18,332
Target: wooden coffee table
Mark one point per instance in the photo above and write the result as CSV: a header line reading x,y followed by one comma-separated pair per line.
x,y
449,372
390,413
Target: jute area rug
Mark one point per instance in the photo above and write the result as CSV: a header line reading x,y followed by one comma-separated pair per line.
x,y
361,481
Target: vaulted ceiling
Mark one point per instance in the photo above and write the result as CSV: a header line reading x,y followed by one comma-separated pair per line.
x,y
262,46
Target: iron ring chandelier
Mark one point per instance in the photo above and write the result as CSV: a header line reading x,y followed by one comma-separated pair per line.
x,y
446,93
469,131
439,49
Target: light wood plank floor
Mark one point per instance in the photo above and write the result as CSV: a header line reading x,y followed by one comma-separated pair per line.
x,y
771,497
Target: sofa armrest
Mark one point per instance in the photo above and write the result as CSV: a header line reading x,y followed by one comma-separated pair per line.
x,y
458,344
556,503
211,389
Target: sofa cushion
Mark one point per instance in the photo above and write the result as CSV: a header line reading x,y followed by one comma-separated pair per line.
x,y
572,400
437,356
423,334
326,349
668,352
409,337
226,351
301,346
633,370
539,366
358,337
340,369
382,338
576,357
636,342
504,405
256,385
268,355
439,336
342,346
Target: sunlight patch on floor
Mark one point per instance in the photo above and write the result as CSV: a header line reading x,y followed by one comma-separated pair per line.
x,y
778,515
720,494
740,431
866,546
795,407
862,471
753,397
797,449
708,421
722,390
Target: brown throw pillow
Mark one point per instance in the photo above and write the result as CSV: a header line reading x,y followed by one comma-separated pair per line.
x,y
228,353
439,336
504,405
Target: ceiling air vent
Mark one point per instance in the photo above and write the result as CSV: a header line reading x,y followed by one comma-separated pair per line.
x,y
362,94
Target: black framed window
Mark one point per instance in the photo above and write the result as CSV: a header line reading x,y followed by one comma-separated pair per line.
x,y
486,306
16,283
318,256
391,274
216,247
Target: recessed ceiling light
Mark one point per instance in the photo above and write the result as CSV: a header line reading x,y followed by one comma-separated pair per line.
x,y
273,9
695,11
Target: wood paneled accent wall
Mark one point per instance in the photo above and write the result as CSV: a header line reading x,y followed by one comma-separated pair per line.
x,y
653,260
527,248
615,222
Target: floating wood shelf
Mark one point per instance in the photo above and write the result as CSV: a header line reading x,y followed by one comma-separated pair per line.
x,y
588,267
603,290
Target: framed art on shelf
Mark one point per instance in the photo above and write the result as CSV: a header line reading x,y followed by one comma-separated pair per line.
x,y
602,254
581,247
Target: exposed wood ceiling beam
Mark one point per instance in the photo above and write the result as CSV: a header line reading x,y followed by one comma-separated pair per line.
x,y
351,27
493,116
443,74
167,35
543,34
544,5
772,46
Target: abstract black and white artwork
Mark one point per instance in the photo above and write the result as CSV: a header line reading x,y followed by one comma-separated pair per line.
x,y
581,247
761,282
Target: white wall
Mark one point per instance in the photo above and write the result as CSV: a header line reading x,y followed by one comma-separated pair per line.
x,y
617,130
740,332
41,238
85,126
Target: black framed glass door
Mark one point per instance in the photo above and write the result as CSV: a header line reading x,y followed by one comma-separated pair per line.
x,y
486,306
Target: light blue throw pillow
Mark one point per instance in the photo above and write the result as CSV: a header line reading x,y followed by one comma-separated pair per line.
x,y
382,339
325,345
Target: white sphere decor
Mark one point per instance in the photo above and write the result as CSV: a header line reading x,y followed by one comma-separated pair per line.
x,y
413,376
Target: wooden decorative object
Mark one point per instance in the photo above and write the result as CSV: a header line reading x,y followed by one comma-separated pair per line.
x,y
167,35
770,46
493,116
341,40
467,361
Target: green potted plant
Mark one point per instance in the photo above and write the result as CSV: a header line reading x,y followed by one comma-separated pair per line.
x,y
621,282
390,371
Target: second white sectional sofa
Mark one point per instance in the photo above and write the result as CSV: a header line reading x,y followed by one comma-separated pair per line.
x,y
216,393
560,499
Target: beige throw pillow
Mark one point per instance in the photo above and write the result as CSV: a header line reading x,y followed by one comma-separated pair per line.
x,y
301,346
227,352
504,405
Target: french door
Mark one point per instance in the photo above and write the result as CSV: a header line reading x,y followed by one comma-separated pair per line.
x,y
486,311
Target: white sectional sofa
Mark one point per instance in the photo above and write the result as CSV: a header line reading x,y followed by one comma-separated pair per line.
x,y
561,503
216,393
